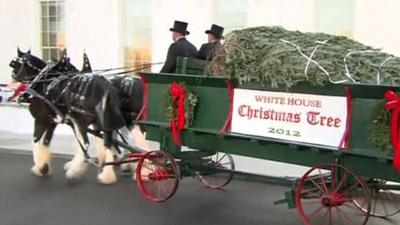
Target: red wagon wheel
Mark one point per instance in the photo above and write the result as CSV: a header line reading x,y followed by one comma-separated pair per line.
x,y
157,176
384,201
220,170
325,195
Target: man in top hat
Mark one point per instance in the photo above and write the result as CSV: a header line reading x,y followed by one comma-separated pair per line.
x,y
207,50
180,47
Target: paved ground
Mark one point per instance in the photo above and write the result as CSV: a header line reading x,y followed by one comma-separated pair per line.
x,y
26,199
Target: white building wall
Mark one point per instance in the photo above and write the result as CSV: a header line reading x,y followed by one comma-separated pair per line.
x,y
376,24
94,27
290,14
20,26
198,13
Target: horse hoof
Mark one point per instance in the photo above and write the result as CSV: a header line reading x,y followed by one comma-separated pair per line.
x,y
41,171
45,170
75,170
36,171
107,178
73,176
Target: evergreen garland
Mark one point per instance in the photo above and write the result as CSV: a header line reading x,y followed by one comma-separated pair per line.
x,y
191,101
379,129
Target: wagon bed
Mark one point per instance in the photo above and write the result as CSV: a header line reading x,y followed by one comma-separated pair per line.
x,y
370,167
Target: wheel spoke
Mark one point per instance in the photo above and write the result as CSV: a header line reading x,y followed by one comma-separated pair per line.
x,y
322,180
317,185
346,216
341,182
148,166
351,188
374,203
157,176
324,217
330,216
312,202
339,216
395,198
316,211
159,190
384,206
217,178
347,199
333,177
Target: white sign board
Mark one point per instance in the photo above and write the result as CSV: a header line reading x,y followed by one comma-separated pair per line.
x,y
316,119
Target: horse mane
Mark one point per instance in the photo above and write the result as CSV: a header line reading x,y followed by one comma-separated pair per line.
x,y
63,65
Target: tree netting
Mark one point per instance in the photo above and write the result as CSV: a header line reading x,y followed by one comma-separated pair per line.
x,y
274,56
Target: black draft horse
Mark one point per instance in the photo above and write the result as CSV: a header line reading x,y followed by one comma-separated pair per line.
x,y
74,98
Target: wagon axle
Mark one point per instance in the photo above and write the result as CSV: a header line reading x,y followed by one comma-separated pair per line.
x,y
332,200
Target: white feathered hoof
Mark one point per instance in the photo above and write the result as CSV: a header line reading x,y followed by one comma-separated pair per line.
x,y
67,165
75,170
107,176
41,171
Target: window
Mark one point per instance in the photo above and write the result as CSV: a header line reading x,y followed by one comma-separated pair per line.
x,y
137,46
52,30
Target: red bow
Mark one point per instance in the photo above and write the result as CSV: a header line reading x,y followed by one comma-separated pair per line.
x,y
177,122
393,104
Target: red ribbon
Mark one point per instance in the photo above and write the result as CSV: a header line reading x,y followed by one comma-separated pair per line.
x,y
177,122
345,141
142,115
228,120
393,104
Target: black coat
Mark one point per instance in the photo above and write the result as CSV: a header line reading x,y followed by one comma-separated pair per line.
x,y
207,51
181,47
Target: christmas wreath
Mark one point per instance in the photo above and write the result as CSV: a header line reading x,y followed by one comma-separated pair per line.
x,y
380,128
179,108
385,132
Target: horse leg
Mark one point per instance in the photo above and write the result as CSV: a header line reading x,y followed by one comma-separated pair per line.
x,y
139,138
100,150
77,166
125,136
41,152
107,175
141,143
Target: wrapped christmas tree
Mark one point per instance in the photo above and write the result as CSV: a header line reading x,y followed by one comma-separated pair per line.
x,y
280,58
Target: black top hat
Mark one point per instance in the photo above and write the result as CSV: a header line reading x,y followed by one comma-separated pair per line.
x,y
180,26
216,31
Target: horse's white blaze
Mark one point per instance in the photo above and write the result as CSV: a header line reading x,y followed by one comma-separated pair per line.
x,y
108,176
77,166
41,156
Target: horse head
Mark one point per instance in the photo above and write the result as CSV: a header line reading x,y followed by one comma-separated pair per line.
x,y
26,66
64,65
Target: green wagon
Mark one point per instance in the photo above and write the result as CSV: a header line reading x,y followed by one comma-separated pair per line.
x,y
346,184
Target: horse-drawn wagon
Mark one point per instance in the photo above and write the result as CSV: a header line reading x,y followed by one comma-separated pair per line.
x,y
325,128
